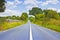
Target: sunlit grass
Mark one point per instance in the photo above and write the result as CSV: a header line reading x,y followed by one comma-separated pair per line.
x,y
53,27
52,24
8,25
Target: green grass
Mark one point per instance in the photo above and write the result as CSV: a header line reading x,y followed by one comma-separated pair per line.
x,y
8,25
53,25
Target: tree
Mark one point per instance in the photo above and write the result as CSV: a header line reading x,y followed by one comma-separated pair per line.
x,y
59,15
17,18
2,5
24,16
39,17
8,17
32,19
35,10
50,14
13,17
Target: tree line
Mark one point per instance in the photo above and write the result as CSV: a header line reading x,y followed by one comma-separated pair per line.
x,y
45,14
23,17
47,18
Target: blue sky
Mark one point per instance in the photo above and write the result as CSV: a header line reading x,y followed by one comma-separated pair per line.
x,y
16,7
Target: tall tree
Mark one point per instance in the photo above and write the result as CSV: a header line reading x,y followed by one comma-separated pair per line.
x,y
51,14
39,17
24,16
35,10
13,17
2,5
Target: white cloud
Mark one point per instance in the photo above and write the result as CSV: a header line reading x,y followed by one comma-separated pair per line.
x,y
10,4
29,7
34,3
9,12
49,2
13,12
52,8
13,4
44,3
31,3
53,1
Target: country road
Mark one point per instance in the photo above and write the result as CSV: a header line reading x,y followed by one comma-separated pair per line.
x,y
29,31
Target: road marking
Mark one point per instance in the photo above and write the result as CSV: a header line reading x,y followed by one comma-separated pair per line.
x,y
31,38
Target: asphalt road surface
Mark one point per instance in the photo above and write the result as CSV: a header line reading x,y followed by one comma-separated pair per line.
x,y
29,31
40,33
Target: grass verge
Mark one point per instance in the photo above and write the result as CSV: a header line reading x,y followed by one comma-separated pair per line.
x,y
8,25
52,24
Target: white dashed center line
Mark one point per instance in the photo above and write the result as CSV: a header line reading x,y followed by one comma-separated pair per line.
x,y
31,38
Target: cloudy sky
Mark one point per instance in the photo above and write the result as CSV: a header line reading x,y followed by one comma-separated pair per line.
x,y
16,7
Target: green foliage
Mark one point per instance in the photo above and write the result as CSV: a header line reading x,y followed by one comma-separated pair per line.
x,y
24,16
18,18
8,25
8,17
2,20
35,10
39,17
32,19
59,15
51,14
13,17
2,5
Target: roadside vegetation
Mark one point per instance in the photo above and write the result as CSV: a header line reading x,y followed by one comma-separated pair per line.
x,y
47,18
8,22
12,21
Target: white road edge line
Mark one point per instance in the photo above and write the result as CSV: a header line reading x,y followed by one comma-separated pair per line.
x,y
31,38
